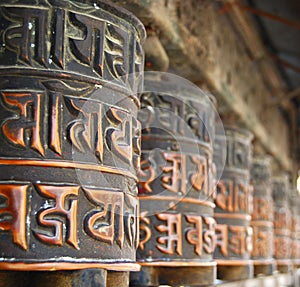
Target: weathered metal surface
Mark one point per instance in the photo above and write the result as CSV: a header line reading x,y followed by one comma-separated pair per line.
x,y
69,136
282,223
176,186
117,279
79,278
234,205
262,216
14,279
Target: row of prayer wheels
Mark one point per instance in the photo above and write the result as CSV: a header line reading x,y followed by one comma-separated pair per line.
x,y
204,199
101,175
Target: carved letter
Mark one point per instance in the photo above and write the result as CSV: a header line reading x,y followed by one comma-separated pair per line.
x,y
172,117
86,130
27,35
13,212
198,121
144,226
88,46
222,238
200,179
146,176
194,235
51,217
263,209
261,242
106,222
29,118
177,180
240,153
57,38
210,235
116,48
173,230
241,241
136,144
55,120
224,197
131,219
119,138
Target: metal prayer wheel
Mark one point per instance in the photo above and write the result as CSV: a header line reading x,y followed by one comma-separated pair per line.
x,y
262,216
295,227
69,147
282,223
177,228
233,204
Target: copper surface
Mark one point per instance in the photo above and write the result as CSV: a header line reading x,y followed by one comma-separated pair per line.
x,y
69,135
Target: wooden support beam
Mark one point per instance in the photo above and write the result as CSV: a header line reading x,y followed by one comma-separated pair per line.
x,y
287,97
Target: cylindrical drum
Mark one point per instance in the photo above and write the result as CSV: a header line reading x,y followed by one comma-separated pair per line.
x,y
262,216
233,204
177,228
282,223
295,227
297,235
69,136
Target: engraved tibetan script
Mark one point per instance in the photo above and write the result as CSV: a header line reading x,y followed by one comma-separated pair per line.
x,y
176,182
28,119
58,39
145,231
173,239
262,209
111,215
241,240
237,239
86,131
262,242
91,126
146,175
13,201
178,229
176,177
198,236
237,153
51,217
233,196
89,46
109,223
194,235
27,34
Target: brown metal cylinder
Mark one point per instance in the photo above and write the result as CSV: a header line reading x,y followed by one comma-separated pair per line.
x,y
69,136
262,216
176,186
295,227
297,235
282,223
233,204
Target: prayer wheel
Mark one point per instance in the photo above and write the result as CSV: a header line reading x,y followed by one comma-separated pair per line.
x,y
177,228
282,224
69,147
233,204
262,216
295,227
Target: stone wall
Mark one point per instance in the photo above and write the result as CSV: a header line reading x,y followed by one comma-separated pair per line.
x,y
216,45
